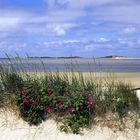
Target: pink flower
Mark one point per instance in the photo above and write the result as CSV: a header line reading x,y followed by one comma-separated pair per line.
x,y
47,109
27,101
35,103
50,91
72,110
90,102
60,104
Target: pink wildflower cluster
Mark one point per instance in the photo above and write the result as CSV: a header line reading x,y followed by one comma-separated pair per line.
x,y
47,109
60,105
71,110
90,102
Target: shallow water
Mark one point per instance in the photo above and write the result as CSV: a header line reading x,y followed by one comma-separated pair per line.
x,y
82,65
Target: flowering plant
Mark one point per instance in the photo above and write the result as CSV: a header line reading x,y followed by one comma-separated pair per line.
x,y
36,101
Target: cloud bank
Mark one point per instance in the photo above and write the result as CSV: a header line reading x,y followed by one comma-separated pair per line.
x,y
51,26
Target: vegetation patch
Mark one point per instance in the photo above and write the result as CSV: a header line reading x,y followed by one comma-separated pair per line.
x,y
71,101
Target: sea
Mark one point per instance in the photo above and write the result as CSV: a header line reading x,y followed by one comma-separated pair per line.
x,y
74,65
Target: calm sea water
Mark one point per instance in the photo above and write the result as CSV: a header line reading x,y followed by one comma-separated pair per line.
x,y
82,65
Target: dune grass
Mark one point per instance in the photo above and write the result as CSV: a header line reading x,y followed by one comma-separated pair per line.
x,y
73,101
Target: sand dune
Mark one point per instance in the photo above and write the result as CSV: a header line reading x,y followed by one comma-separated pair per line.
x,y
13,128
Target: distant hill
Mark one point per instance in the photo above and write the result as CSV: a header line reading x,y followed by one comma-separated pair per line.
x,y
58,57
69,57
114,56
41,57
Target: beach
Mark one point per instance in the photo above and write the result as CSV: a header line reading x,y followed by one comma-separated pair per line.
x,y
132,78
69,70
14,128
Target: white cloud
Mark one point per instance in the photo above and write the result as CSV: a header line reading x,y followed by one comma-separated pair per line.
x,y
31,24
116,13
126,11
102,39
12,20
62,28
7,23
56,42
60,22
129,30
59,30
79,4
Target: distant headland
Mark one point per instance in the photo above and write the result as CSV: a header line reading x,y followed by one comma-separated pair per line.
x,y
114,57
68,57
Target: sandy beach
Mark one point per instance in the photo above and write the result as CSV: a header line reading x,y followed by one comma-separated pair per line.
x,y
14,128
132,78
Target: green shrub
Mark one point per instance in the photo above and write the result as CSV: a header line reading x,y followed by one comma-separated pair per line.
x,y
73,123
126,100
122,99
37,99
29,104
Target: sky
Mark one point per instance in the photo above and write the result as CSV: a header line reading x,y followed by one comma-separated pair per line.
x,y
85,28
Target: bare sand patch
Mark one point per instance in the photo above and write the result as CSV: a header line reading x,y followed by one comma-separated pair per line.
x,y
14,128
132,78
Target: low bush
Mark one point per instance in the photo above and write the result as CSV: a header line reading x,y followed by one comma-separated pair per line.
x,y
37,99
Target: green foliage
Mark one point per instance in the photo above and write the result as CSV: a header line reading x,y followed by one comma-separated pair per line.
x,y
35,99
73,123
28,101
121,99
11,81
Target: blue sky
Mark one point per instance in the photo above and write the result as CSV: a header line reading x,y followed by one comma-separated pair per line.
x,y
86,28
